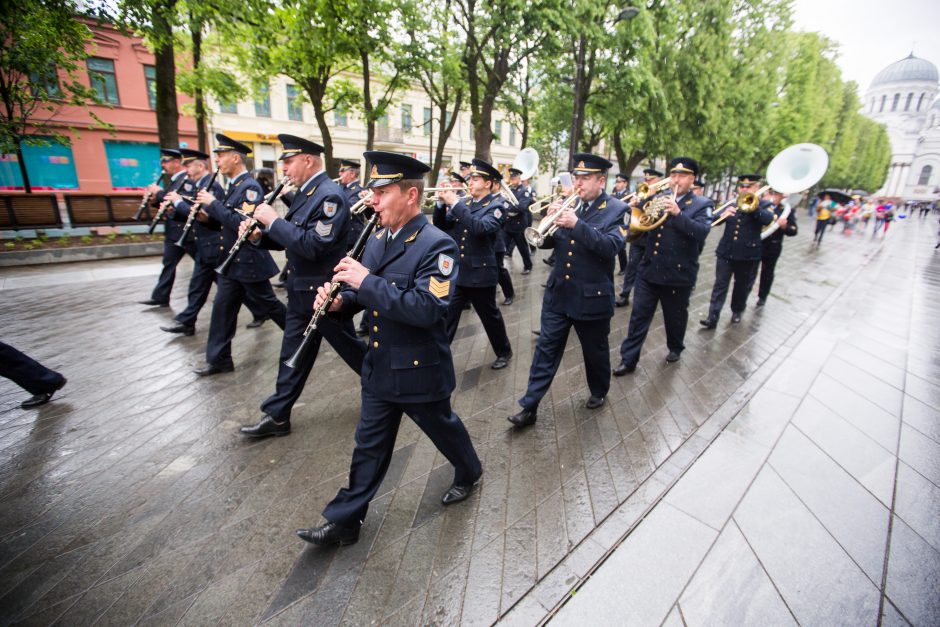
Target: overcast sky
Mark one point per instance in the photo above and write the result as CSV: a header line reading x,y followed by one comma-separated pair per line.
x,y
873,33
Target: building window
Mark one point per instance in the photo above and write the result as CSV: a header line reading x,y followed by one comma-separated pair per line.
x,y
498,132
897,99
263,102
103,80
920,101
907,105
228,107
427,121
150,75
871,109
406,118
50,166
46,83
883,99
339,117
512,134
925,173
131,164
295,110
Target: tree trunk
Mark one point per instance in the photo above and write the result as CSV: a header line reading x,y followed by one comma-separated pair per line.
x,y
367,100
483,132
316,91
444,134
199,96
632,161
165,69
19,158
525,109
577,113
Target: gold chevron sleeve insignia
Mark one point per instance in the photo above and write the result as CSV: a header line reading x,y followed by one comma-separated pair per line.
x,y
439,288
623,232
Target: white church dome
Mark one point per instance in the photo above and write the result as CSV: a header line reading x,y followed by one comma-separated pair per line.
x,y
910,68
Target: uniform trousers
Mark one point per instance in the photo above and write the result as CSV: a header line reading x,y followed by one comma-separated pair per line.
x,y
514,240
595,349
483,300
767,266
505,281
675,304
622,258
228,299
375,441
744,273
172,255
633,265
26,372
200,283
339,332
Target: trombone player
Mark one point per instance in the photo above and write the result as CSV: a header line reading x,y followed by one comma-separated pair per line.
x,y
669,267
638,245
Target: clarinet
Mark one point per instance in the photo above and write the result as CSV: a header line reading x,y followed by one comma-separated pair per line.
x,y
191,218
252,225
356,253
145,202
160,213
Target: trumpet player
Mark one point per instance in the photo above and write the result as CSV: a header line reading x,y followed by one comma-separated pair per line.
x,y
250,274
738,253
314,235
638,245
621,189
474,222
172,166
579,292
669,267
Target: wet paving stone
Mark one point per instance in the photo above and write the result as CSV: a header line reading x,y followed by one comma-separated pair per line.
x,y
131,497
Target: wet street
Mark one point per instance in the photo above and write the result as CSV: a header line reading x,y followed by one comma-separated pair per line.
x,y
786,470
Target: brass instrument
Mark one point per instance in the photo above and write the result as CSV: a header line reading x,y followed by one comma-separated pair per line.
x,y
547,227
362,205
746,203
191,218
252,225
652,214
645,190
527,162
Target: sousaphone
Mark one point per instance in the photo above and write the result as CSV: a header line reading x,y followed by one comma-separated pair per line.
x,y
793,170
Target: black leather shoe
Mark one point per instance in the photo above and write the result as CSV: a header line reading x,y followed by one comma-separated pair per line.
x,y
180,328
508,300
458,493
37,400
547,262
527,271
672,357
257,322
624,368
735,318
525,417
265,427
329,534
501,362
761,302
595,401
210,370
622,301
709,323
153,303
536,331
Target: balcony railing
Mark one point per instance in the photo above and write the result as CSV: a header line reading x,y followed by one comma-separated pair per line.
x,y
389,135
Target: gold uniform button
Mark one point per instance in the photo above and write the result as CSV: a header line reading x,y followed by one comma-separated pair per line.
x,y
572,242
375,329
570,254
375,314
567,277
655,252
461,255
735,238
598,293
416,362
375,344
567,265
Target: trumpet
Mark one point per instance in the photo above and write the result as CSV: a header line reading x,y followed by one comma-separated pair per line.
x,y
252,225
746,203
191,218
536,235
362,205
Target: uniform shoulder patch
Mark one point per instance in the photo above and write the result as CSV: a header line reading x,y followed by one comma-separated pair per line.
x,y
329,209
188,186
445,264
439,288
323,229
498,214
251,195
688,202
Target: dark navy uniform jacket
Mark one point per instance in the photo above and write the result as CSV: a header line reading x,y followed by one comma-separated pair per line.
x,y
619,195
518,218
581,284
405,297
741,239
313,233
671,256
475,226
178,183
252,263
640,241
773,245
207,236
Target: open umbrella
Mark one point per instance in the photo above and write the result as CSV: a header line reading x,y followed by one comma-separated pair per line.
x,y
837,195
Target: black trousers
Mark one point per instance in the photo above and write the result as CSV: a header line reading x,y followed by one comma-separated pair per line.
x,y
200,283
675,305
339,332
633,265
505,281
622,258
172,255
744,273
483,300
595,349
514,240
767,266
375,441
228,300
26,372
821,230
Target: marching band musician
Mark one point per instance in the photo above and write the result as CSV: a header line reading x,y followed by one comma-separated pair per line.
x,y
579,292
621,189
738,254
518,218
772,246
313,233
474,223
249,275
638,245
352,188
669,268
698,187
404,283
171,163
206,237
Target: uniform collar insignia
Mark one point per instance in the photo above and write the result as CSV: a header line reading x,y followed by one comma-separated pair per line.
x,y
412,238
380,234
603,205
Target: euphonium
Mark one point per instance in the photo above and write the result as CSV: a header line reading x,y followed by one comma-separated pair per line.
x,y
653,213
536,236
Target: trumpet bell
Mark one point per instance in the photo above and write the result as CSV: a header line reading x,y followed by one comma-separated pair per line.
x,y
533,236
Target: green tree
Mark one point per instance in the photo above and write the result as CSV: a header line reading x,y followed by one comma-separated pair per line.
x,y
41,62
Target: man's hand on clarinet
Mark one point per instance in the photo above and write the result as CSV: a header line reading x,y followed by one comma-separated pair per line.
x,y
323,293
350,272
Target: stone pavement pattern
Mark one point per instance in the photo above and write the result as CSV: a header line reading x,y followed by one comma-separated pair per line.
x,y
132,499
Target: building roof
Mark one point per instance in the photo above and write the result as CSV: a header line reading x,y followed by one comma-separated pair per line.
x,y
910,68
